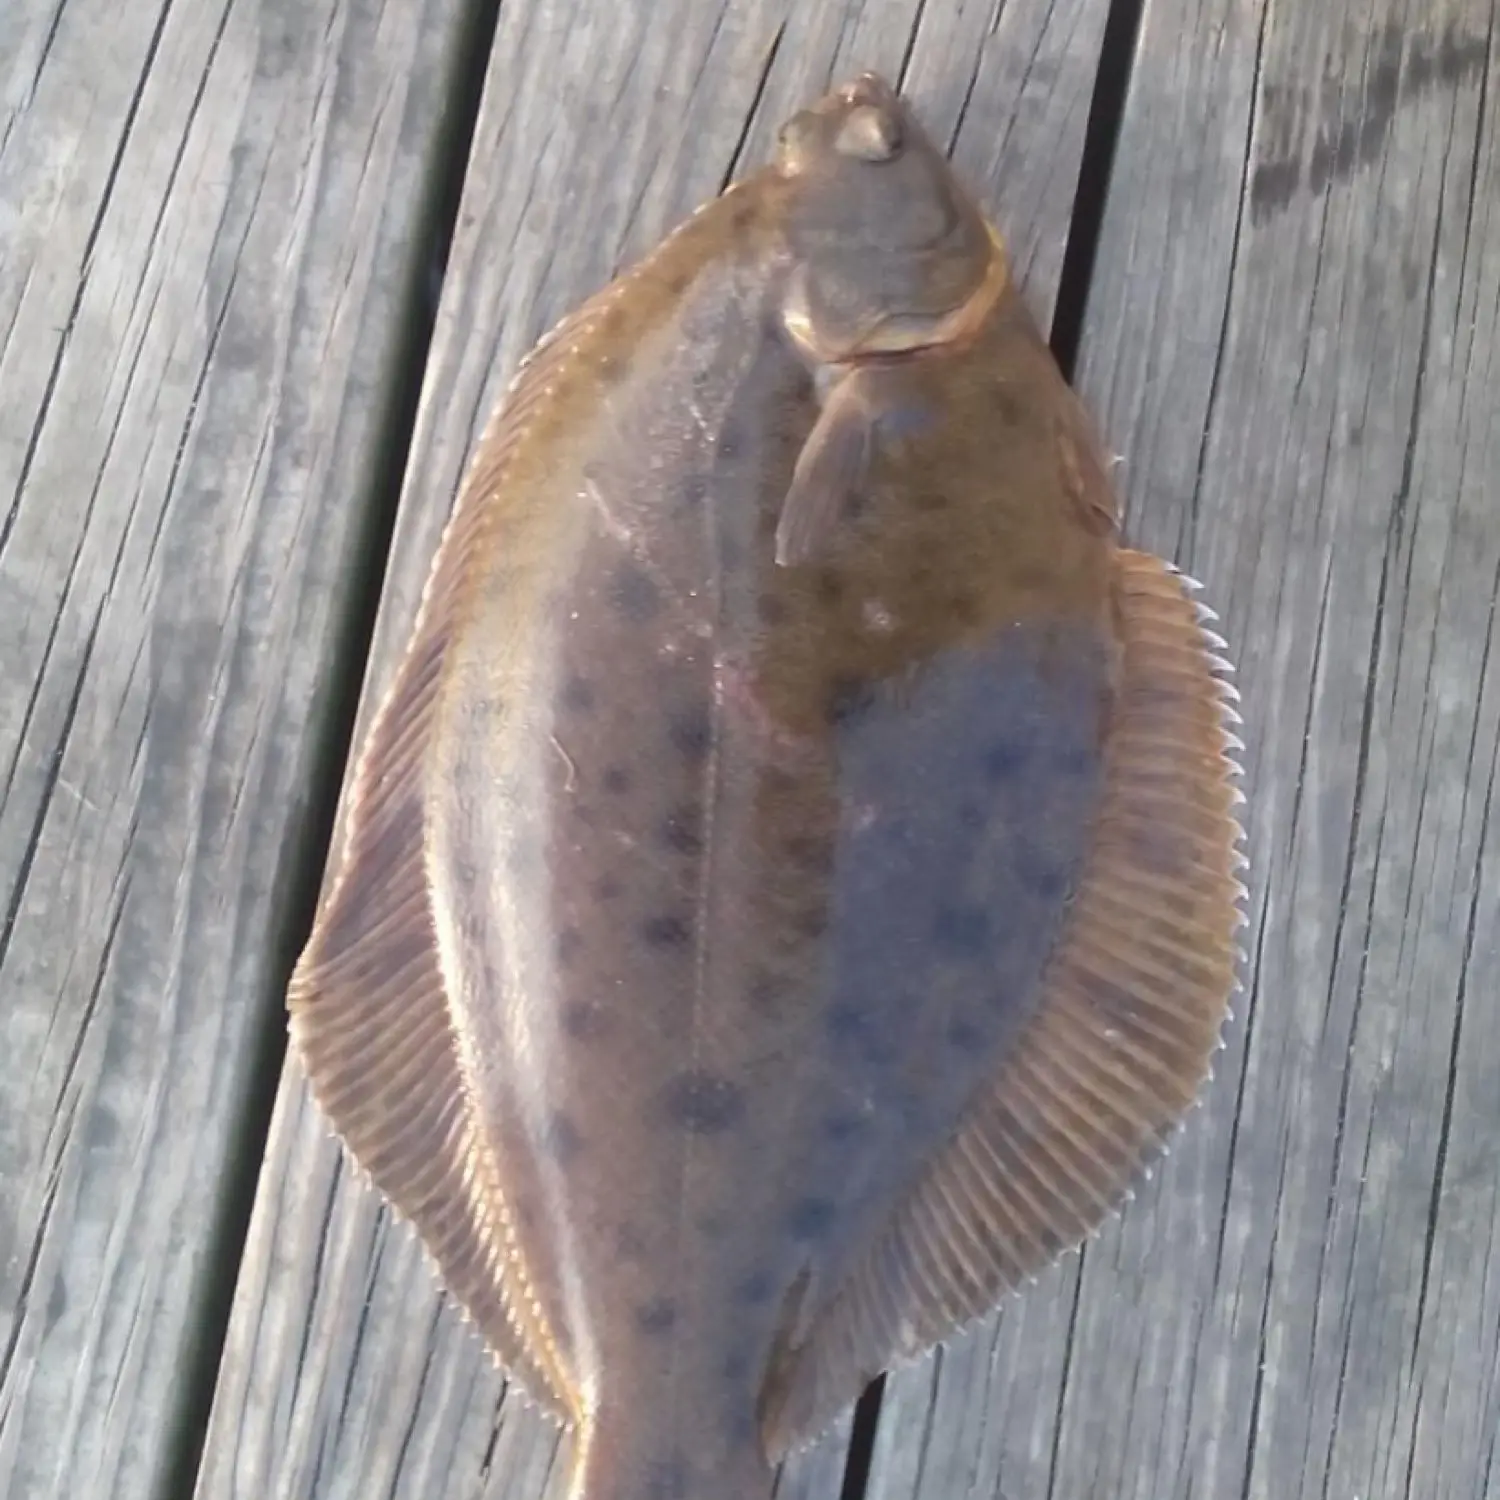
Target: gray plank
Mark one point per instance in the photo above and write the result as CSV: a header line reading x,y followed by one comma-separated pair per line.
x,y
1292,338
206,221
603,124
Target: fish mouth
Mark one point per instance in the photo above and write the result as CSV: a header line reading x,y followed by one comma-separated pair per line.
x,y
868,87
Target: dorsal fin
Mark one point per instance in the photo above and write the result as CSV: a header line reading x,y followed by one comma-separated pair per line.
x,y
369,1009
1122,1039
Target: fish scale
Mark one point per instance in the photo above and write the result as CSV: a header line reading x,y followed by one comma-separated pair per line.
x,y
790,887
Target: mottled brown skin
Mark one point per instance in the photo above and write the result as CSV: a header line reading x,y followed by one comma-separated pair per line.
x,y
811,833
718,1037
747,840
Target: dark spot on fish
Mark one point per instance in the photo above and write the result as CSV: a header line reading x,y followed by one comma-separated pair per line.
x,y
702,1103
609,370
633,593
616,779
1074,760
630,1243
667,931
969,814
929,502
963,609
1003,759
829,586
691,732
962,929
679,831
656,1317
810,1218
845,1021
772,609
842,1125
812,921
743,216
1039,872
563,1139
1008,409
850,1025
731,443
776,781
578,695
583,1019
736,1365
965,1036
607,887
809,852
692,491
755,1290
666,1479
847,698
853,506
711,1226
767,991
569,945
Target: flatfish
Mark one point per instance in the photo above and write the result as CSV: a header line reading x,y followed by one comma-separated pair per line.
x,y
790,889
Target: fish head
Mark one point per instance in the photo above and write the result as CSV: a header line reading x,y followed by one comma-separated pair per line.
x,y
888,251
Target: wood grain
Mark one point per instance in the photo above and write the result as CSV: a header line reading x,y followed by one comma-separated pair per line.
x,y
207,218
603,124
1291,337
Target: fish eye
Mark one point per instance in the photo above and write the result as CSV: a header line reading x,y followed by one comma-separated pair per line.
x,y
869,133
796,139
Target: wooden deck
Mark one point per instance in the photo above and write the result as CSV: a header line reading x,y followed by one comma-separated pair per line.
x,y
264,265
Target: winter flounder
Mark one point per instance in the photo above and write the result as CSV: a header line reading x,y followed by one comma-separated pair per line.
x,y
789,892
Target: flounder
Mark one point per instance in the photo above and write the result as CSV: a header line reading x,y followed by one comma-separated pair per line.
x,y
790,890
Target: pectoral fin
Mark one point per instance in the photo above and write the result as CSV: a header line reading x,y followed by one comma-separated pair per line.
x,y
830,467
1122,1039
835,460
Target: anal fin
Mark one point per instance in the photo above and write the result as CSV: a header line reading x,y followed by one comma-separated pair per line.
x,y
1132,1006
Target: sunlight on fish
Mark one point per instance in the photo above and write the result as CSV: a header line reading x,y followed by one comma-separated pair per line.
x,y
790,890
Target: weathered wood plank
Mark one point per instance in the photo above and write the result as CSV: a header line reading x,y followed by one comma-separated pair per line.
x,y
1292,336
603,125
207,217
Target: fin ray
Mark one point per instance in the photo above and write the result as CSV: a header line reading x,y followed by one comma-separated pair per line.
x,y
368,1002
